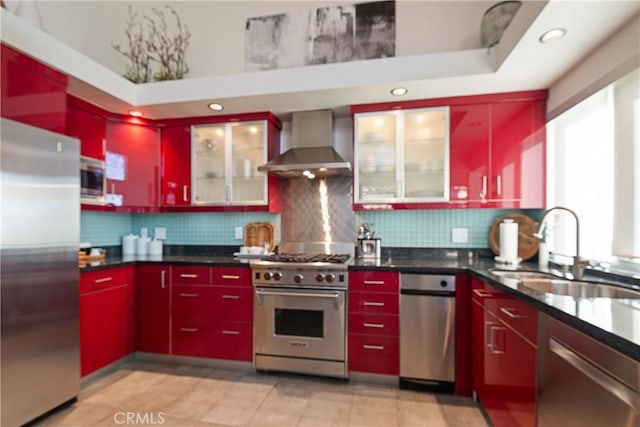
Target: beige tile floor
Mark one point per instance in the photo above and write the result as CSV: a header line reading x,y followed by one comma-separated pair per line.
x,y
177,395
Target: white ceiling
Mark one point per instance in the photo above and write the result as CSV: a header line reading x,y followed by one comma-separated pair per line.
x,y
519,62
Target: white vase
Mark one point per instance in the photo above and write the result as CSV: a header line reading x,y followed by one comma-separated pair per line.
x,y
543,254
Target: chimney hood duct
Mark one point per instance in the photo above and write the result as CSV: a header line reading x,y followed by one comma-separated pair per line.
x,y
311,149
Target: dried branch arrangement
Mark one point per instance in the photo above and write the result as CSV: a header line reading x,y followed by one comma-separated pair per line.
x,y
154,43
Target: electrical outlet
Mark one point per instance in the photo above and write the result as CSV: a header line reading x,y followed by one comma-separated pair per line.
x,y
160,233
459,235
239,233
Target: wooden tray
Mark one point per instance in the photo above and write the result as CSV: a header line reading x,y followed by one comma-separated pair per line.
x,y
259,233
527,244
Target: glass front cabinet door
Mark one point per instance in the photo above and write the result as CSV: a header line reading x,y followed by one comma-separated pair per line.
x,y
225,160
402,156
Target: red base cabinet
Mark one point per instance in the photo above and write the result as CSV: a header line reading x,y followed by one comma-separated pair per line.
x,y
504,355
107,317
153,283
374,345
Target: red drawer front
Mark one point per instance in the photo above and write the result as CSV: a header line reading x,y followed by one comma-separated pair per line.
x,y
193,338
374,281
233,303
190,275
374,324
102,279
193,303
371,302
522,317
233,340
375,354
231,276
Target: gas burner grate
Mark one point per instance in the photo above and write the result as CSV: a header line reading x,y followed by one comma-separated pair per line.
x,y
302,258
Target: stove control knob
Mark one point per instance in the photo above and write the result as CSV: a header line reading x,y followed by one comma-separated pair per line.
x,y
330,277
319,277
267,275
277,275
298,278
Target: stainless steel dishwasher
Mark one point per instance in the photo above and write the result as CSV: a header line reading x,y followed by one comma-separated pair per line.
x,y
427,332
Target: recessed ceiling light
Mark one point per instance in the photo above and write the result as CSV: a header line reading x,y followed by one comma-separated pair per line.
x,y
215,106
555,34
135,113
399,91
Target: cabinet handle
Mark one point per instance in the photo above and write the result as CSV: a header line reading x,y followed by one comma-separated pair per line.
x,y
482,294
103,280
512,313
184,193
499,185
373,325
488,339
483,192
495,348
189,329
230,296
372,347
373,282
104,146
189,276
373,304
163,275
227,332
230,277
113,188
188,295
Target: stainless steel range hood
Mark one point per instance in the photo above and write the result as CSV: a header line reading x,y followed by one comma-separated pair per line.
x,y
311,149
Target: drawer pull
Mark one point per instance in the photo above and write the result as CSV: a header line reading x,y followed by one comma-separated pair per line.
x,y
481,293
373,325
227,332
103,280
163,278
373,304
373,282
188,295
373,347
189,276
230,277
512,313
230,296
189,329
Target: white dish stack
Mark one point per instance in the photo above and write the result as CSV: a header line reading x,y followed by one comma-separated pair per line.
x,y
508,242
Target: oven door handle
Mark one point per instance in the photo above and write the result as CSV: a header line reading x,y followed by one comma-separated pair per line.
x,y
334,296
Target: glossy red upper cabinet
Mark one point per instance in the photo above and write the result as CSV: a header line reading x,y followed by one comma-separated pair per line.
x,y
176,166
469,152
32,93
133,160
89,125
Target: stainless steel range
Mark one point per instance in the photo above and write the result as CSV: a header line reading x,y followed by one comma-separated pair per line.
x,y
300,313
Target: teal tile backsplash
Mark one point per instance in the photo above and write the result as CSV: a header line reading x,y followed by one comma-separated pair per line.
x,y
406,228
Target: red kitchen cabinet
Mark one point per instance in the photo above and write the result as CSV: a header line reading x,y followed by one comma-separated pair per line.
x,y
153,303
32,93
504,364
176,166
374,299
133,160
89,125
107,317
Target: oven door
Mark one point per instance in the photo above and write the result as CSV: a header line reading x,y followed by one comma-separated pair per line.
x,y
305,323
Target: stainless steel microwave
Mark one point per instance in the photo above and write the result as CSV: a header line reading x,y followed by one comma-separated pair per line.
x,y
92,181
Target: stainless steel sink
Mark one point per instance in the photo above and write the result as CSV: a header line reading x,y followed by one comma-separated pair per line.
x,y
579,289
520,275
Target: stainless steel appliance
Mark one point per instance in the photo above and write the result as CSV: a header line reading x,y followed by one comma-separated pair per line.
x,y
427,332
92,181
40,234
582,382
300,313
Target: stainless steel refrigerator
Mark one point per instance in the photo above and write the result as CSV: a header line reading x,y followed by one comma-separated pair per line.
x,y
39,237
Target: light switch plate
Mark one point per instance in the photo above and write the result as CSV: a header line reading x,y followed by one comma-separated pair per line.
x,y
239,233
459,235
160,233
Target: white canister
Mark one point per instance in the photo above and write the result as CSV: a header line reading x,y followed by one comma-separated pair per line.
x,y
155,247
129,243
142,246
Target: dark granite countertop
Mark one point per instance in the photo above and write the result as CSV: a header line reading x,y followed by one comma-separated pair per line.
x,y
615,322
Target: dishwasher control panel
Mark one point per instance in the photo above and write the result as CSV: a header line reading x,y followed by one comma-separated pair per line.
x,y
427,282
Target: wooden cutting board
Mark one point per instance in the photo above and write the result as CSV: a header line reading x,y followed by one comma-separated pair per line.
x,y
527,244
259,233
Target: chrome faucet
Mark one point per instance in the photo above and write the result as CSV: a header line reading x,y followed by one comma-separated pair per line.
x,y
578,263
